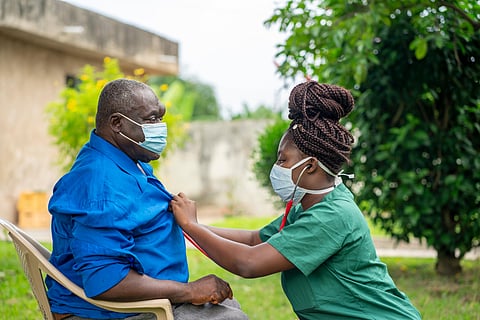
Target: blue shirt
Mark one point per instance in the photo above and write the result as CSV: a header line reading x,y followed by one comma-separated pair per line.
x,y
108,217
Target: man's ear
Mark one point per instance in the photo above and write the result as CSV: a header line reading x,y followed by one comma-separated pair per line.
x,y
115,123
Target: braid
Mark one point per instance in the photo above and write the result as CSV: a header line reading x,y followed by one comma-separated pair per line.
x,y
315,110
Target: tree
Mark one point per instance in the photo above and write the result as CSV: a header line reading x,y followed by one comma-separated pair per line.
x,y
205,104
414,67
72,118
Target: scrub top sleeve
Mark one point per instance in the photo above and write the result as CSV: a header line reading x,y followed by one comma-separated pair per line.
x,y
270,229
311,239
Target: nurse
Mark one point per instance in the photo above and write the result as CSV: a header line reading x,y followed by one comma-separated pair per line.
x,y
321,245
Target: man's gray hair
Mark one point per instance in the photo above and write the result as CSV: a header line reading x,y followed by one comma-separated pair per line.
x,y
117,96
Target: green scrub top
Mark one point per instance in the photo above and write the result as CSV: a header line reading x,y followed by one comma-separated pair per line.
x,y
337,273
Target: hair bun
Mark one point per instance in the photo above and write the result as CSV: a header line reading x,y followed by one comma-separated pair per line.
x,y
312,100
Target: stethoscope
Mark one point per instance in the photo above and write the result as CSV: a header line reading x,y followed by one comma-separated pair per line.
x,y
289,204
194,243
288,207
284,219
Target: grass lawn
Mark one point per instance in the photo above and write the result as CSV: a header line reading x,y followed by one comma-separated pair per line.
x,y
436,297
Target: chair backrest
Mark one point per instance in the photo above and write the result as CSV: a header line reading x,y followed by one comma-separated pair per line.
x,y
34,258
26,246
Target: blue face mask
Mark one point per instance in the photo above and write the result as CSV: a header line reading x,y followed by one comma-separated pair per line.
x,y
155,135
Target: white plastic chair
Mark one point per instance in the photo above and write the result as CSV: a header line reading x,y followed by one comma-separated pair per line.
x,y
34,258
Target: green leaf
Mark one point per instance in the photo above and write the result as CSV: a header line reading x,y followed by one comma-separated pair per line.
x,y
421,50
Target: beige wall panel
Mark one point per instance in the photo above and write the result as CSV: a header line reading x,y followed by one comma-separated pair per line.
x,y
215,169
30,78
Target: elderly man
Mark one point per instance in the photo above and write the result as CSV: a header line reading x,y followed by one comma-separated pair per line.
x,y
112,231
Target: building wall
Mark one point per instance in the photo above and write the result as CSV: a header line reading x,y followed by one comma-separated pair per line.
x,y
215,169
37,52
35,57
79,32
30,78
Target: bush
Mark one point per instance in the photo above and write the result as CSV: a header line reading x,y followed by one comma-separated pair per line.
x,y
73,117
265,154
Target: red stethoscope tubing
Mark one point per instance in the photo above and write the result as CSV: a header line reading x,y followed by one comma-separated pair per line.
x,y
196,245
288,207
284,219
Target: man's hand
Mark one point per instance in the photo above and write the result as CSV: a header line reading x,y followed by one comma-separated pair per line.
x,y
184,209
210,289
136,287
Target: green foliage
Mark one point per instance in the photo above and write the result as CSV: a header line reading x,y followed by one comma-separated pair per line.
x,y
201,97
414,67
434,296
261,112
427,115
334,40
73,117
265,154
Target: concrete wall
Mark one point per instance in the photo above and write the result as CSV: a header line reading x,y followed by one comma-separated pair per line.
x,y
30,78
37,53
215,169
76,31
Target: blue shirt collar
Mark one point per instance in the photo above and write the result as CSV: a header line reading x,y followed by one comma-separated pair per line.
x,y
115,154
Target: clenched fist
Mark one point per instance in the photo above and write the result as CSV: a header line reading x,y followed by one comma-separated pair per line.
x,y
210,289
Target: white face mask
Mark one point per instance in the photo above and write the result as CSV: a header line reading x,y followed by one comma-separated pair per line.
x,y
286,189
155,135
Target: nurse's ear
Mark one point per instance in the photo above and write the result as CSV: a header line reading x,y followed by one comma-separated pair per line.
x,y
310,167
314,168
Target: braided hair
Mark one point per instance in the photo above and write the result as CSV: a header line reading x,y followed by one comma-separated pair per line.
x,y
315,110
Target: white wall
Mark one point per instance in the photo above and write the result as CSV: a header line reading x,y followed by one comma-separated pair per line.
x,y
215,169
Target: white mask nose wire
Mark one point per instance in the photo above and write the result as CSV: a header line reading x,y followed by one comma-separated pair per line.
x,y
298,180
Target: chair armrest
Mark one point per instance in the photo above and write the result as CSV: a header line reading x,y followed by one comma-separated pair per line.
x,y
162,308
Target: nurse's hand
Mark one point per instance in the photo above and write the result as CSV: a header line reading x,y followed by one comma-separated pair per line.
x,y
184,210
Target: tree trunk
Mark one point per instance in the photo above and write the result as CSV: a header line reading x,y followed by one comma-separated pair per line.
x,y
447,264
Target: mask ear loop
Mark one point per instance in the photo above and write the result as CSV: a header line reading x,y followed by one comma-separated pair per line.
x,y
289,204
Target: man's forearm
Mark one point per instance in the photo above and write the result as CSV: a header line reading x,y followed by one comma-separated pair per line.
x,y
135,287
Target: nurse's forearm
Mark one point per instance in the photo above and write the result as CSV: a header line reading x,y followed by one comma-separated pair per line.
x,y
241,259
248,237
